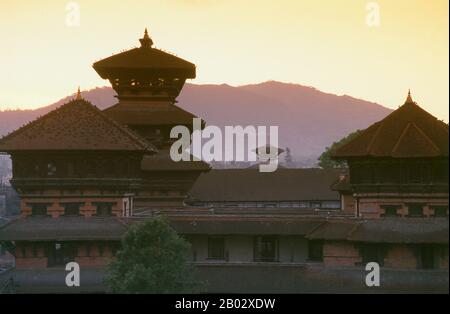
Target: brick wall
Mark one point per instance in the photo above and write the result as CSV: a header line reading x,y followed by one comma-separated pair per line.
x,y
56,209
340,253
31,262
373,207
401,256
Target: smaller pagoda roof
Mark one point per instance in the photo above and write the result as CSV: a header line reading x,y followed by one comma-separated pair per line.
x,y
408,132
144,60
76,125
157,113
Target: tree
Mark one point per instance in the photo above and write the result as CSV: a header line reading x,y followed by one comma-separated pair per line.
x,y
288,156
325,160
153,259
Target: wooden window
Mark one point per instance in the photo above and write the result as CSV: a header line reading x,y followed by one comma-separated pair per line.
x,y
427,259
38,209
390,210
266,249
315,250
216,247
104,209
440,211
59,254
415,210
372,253
72,209
101,248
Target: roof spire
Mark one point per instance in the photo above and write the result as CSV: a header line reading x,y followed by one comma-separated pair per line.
x,y
78,97
409,98
146,41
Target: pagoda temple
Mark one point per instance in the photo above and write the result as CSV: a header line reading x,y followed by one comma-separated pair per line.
x,y
399,165
76,171
147,81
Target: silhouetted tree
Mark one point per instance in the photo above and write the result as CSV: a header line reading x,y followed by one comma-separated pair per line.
x,y
325,160
288,156
153,259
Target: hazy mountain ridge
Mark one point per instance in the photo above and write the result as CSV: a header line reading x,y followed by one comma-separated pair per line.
x,y
308,119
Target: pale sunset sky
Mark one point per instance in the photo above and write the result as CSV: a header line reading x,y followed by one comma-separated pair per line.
x,y
325,44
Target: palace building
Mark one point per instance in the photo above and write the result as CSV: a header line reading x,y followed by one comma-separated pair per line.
x,y
85,175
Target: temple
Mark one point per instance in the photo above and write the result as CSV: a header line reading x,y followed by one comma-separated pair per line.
x,y
147,81
85,175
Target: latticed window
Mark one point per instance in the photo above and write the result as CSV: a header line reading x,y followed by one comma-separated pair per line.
x,y
390,210
415,210
440,211
266,249
104,209
72,209
216,247
315,250
38,209
372,253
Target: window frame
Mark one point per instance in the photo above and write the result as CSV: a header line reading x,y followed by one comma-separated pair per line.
x,y
39,212
412,205
311,245
390,207
211,240
65,205
102,214
258,250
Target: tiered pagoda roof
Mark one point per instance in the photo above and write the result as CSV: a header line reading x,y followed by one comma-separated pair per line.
x,y
76,125
144,61
408,132
142,114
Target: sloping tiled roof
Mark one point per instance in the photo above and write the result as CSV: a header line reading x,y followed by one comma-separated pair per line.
x,y
336,230
385,230
63,229
244,226
143,114
252,185
407,132
398,230
76,125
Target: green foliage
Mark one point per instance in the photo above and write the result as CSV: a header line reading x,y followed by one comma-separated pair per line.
x,y
325,160
153,259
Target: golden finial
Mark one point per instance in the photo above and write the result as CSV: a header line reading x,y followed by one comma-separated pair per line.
x,y
409,98
78,97
146,41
